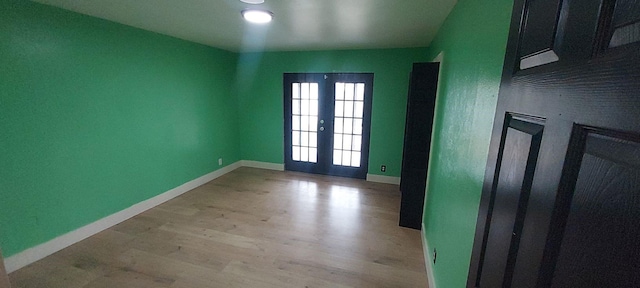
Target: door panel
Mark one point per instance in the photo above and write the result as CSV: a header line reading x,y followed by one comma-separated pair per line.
x,y
327,123
508,207
600,229
624,27
578,227
540,27
560,32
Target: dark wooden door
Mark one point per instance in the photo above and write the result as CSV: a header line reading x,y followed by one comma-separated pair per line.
x,y
561,198
327,123
421,103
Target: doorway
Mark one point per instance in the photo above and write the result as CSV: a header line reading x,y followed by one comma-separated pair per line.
x,y
327,123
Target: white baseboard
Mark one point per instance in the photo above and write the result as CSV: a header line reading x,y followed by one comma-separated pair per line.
x,y
383,179
40,251
428,262
262,165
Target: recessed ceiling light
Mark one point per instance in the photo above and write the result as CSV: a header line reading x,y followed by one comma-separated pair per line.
x,y
257,16
252,1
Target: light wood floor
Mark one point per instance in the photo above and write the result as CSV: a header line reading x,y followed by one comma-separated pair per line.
x,y
249,228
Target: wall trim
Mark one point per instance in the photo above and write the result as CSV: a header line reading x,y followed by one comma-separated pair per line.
x,y
45,249
383,179
428,262
262,165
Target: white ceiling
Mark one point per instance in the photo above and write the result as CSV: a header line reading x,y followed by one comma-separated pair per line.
x,y
297,24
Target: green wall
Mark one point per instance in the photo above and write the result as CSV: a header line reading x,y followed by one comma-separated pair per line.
x,y
473,40
97,116
260,98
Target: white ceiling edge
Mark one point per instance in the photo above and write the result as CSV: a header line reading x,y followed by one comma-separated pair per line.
x,y
298,25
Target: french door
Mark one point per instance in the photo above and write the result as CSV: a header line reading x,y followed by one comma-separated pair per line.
x,y
327,123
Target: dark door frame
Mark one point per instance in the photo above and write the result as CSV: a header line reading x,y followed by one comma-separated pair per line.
x,y
326,99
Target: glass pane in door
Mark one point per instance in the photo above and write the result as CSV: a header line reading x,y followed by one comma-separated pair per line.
x,y
304,119
347,132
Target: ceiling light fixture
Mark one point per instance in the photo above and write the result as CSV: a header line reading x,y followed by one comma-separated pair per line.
x,y
257,16
252,1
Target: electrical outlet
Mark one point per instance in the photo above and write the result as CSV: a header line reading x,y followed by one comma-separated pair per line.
x,y
220,161
383,168
435,254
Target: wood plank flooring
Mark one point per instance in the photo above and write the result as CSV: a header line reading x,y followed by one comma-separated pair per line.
x,y
249,228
